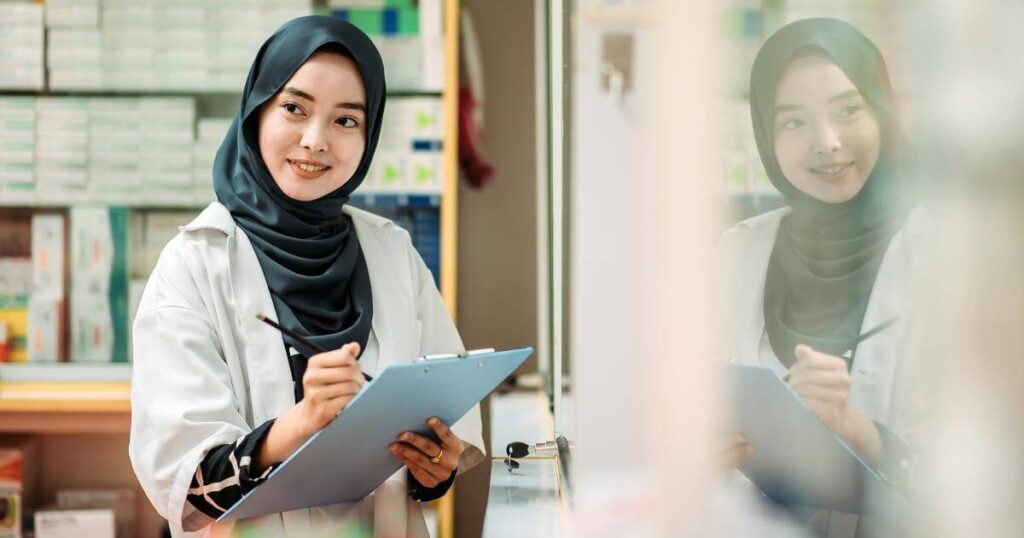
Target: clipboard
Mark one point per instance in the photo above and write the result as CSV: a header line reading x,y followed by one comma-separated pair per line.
x,y
797,460
349,458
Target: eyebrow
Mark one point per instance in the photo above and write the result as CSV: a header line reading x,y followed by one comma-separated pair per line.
x,y
347,105
838,97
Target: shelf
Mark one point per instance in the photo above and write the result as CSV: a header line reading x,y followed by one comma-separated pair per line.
x,y
65,397
64,421
368,199
171,92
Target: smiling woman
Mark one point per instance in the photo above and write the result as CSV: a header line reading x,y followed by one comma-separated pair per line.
x,y
809,280
219,399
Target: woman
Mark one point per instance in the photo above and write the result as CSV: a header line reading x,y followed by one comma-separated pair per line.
x,y
805,281
219,398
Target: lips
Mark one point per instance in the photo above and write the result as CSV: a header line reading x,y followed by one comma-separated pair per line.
x,y
832,170
308,169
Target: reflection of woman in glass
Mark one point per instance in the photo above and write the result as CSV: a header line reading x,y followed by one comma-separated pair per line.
x,y
220,399
804,282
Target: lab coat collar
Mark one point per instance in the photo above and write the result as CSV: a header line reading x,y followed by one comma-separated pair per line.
x,y
217,217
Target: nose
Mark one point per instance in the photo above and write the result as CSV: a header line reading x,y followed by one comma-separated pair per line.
x,y
313,138
828,140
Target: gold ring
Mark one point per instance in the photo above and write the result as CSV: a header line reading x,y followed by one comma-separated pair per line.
x,y
437,459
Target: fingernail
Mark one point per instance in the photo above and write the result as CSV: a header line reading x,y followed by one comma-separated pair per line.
x,y
406,437
433,422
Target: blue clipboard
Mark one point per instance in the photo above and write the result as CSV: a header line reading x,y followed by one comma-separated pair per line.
x,y
797,459
349,458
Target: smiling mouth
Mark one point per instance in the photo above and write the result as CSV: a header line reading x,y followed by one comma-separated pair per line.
x,y
832,170
307,170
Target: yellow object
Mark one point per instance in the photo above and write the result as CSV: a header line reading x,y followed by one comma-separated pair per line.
x,y
16,320
70,396
449,208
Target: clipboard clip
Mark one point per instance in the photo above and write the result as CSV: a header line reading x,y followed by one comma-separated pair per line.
x,y
461,355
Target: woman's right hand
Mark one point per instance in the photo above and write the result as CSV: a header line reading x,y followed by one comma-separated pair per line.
x,y
331,381
735,450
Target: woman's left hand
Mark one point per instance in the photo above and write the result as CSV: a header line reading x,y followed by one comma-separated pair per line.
x,y
430,462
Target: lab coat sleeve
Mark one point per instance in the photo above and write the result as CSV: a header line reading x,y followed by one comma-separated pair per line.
x,y
439,335
182,400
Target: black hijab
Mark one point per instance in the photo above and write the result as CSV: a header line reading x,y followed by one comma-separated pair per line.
x,y
308,251
826,256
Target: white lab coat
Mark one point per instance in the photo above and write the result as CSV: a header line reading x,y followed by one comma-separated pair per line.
x,y
207,372
880,390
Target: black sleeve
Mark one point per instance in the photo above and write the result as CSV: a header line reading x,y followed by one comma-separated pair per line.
x,y
419,492
896,457
225,474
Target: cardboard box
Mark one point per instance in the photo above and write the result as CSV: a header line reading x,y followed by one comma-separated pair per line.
x,y
64,13
45,328
99,284
10,513
19,467
94,523
21,14
120,501
48,254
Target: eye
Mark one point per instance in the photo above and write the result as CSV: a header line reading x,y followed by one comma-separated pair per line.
x,y
292,108
850,110
793,124
347,121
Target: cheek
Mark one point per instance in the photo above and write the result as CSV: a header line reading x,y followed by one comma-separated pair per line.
x,y
350,150
274,138
867,141
789,152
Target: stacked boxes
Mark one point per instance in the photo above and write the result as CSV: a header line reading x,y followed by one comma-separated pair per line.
x,y
99,284
409,38
72,13
409,158
19,470
210,136
165,154
114,147
147,45
118,150
17,147
62,149
15,286
46,303
21,46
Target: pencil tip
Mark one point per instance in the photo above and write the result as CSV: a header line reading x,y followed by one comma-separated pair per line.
x,y
261,317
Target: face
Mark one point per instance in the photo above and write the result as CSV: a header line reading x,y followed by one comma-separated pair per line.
x,y
827,137
313,132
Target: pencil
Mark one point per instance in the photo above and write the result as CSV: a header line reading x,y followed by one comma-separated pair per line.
x,y
881,327
299,339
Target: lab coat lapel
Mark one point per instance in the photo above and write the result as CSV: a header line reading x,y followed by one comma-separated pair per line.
x,y
270,382
389,286
756,251
874,366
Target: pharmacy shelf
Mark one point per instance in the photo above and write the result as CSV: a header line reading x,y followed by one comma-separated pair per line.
x,y
171,92
65,407
67,419
363,199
